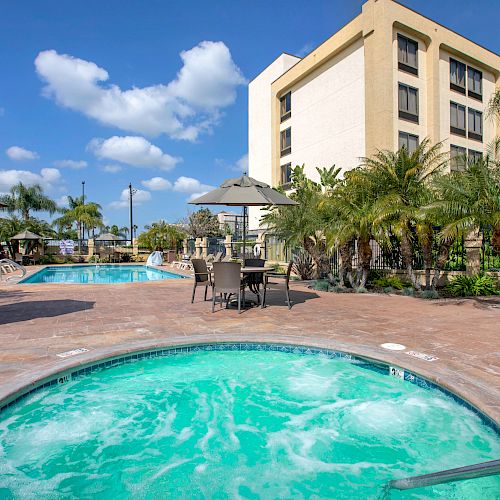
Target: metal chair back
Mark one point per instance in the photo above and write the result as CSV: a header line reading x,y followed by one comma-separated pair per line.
x,y
200,270
227,277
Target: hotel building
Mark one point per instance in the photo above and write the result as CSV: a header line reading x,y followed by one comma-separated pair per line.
x,y
388,78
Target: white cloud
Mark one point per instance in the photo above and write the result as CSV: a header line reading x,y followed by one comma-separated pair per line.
x,y
18,153
140,196
74,164
242,164
132,150
191,186
62,201
112,169
157,184
181,109
48,178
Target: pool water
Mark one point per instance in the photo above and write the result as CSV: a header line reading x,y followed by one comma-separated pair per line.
x,y
243,424
99,274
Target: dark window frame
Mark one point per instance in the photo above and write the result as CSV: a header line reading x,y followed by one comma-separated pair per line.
x,y
404,113
474,135
472,93
286,175
455,86
402,65
287,149
407,139
461,154
457,130
474,153
283,101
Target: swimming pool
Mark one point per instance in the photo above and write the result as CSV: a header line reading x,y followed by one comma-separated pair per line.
x,y
238,423
99,274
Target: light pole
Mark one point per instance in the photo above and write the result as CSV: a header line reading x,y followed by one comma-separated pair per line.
x,y
131,194
83,203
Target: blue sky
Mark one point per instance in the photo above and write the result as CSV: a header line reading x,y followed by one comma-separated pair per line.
x,y
68,112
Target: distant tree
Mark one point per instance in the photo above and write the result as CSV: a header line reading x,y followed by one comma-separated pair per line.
x,y
86,216
117,231
26,199
161,234
203,223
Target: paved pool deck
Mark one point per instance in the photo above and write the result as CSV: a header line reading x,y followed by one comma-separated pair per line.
x,y
37,321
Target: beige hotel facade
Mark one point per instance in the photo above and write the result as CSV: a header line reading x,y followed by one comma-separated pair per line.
x,y
388,78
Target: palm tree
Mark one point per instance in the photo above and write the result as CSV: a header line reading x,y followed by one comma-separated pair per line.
x,y
26,199
354,221
86,215
117,231
469,200
161,234
493,112
303,225
403,179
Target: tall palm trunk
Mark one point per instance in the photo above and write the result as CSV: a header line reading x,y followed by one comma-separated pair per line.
x,y
345,269
364,260
441,259
26,214
407,252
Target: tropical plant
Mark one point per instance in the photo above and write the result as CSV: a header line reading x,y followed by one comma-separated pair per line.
x,y
161,234
117,231
404,179
303,265
392,281
203,223
303,225
26,199
479,284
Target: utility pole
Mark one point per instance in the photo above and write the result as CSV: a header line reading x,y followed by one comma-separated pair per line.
x,y
83,203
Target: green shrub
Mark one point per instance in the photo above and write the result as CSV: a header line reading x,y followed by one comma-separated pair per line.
x,y
408,291
93,259
361,289
321,285
429,294
473,286
337,289
388,289
389,281
48,258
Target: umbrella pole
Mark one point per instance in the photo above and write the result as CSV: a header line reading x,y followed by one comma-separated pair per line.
x,y
244,233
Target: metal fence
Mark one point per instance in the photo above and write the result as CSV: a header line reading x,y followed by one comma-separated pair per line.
x,y
53,246
490,256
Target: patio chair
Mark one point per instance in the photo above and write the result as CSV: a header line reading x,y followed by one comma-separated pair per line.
x,y
286,276
35,258
202,276
226,258
254,280
217,257
226,282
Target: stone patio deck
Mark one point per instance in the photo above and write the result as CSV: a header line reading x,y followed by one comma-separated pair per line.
x,y
39,321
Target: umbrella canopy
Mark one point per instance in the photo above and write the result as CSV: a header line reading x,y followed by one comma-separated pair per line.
x,y
243,192
109,237
26,235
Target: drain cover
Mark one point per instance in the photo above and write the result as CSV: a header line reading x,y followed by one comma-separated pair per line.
x,y
393,347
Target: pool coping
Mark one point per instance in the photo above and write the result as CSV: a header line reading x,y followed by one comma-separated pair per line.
x,y
31,273
94,360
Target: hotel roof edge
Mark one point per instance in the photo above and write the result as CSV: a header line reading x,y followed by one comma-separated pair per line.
x,y
273,61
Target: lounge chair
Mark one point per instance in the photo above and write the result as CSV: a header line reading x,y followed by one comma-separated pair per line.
x,y
226,282
286,277
202,276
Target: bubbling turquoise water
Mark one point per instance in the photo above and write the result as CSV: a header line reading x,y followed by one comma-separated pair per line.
x,y
244,424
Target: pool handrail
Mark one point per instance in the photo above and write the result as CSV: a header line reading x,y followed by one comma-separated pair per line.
x,y
14,266
474,471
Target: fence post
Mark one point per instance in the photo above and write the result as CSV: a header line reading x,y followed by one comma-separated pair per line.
x,y
204,247
90,247
473,243
197,248
135,246
228,244
185,246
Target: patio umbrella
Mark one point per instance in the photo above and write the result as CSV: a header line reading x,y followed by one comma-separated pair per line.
x,y
109,237
26,235
243,192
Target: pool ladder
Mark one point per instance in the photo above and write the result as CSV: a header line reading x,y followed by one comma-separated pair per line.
x,y
475,471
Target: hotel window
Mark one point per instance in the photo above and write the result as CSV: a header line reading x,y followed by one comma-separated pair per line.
x,y
457,158
457,119
407,55
474,155
474,83
286,141
457,76
408,103
286,175
409,141
475,120
286,106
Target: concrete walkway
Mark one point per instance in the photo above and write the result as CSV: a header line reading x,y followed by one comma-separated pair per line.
x,y
39,321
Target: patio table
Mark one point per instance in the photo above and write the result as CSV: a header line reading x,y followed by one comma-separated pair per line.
x,y
255,269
